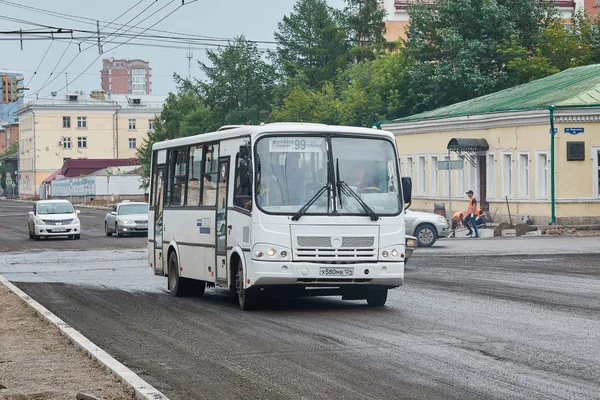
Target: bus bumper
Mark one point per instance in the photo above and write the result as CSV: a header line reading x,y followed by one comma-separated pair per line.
x,y
266,273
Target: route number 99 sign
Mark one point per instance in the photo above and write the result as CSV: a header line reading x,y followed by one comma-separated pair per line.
x,y
297,145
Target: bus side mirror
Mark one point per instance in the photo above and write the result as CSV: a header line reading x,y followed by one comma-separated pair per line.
x,y
245,173
407,189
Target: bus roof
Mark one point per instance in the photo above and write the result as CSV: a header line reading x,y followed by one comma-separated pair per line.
x,y
278,127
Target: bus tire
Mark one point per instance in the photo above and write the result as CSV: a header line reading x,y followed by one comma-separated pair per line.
x,y
247,298
177,284
377,297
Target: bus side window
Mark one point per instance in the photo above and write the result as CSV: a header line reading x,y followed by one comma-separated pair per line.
x,y
209,176
177,177
194,176
242,196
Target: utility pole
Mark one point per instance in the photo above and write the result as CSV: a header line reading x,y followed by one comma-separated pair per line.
x,y
98,31
189,56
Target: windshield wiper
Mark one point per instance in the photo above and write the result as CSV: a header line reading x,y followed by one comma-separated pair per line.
x,y
347,190
305,207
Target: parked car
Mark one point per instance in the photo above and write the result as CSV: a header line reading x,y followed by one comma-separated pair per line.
x,y
53,218
425,226
127,217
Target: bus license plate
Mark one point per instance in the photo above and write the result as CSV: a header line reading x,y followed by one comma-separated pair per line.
x,y
334,271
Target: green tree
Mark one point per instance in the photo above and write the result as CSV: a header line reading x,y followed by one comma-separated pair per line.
x,y
312,44
308,105
183,114
366,27
239,83
455,45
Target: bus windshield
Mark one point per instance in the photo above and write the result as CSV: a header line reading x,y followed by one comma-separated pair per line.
x,y
358,176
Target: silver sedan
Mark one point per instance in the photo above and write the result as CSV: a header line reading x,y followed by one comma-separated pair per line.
x,y
126,218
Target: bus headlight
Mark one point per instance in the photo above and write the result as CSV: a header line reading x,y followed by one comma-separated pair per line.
x,y
263,251
392,253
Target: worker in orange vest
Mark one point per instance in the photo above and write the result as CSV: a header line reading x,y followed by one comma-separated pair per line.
x,y
457,219
471,217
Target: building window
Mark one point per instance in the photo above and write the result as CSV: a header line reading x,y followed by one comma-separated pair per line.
x,y
150,124
67,143
596,157
132,124
460,178
409,168
421,182
433,184
473,176
490,176
132,143
82,142
507,174
82,122
523,175
66,122
541,176
446,176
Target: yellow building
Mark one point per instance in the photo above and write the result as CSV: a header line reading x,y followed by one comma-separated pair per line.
x,y
504,145
54,130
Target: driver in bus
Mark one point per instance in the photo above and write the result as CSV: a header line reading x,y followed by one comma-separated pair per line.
x,y
360,179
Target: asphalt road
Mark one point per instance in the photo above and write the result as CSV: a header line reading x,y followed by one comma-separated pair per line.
x,y
519,325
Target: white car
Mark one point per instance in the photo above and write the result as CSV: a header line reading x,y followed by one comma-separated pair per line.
x,y
53,218
425,226
127,217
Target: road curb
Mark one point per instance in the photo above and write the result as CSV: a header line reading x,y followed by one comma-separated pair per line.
x,y
143,390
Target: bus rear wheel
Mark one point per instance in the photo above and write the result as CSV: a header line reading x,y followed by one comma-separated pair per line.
x,y
377,297
177,284
247,298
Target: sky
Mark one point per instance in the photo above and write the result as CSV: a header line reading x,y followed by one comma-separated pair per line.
x,y
49,64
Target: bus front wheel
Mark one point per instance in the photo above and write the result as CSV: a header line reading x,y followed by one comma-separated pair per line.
x,y
247,298
176,283
377,297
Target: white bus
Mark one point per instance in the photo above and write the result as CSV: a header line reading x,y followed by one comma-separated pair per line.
x,y
283,208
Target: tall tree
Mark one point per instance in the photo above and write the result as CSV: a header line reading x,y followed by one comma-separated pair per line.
x,y
239,82
366,26
308,105
312,44
455,45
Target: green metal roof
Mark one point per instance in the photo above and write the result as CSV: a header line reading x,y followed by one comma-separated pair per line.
x,y
574,87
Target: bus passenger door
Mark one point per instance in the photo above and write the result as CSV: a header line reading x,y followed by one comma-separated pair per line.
x,y
158,222
221,219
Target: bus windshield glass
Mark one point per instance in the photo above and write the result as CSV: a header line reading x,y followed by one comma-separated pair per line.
x,y
291,170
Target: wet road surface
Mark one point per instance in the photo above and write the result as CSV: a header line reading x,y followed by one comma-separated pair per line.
x,y
513,326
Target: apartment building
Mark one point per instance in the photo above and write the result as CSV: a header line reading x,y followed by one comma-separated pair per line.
x,y
76,126
119,76
397,18
9,134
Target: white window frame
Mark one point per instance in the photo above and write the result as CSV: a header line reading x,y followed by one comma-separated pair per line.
x,y
67,143
474,176
150,124
507,175
132,124
421,176
461,182
596,157
542,175
434,174
133,141
409,168
446,176
490,172
82,142
82,122
524,174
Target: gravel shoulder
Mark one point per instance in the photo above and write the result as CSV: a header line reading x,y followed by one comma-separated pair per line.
x,y
37,362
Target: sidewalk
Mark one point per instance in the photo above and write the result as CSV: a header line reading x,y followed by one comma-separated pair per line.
x,y
37,362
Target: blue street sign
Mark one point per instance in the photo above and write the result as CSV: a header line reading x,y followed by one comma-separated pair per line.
x,y
574,131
